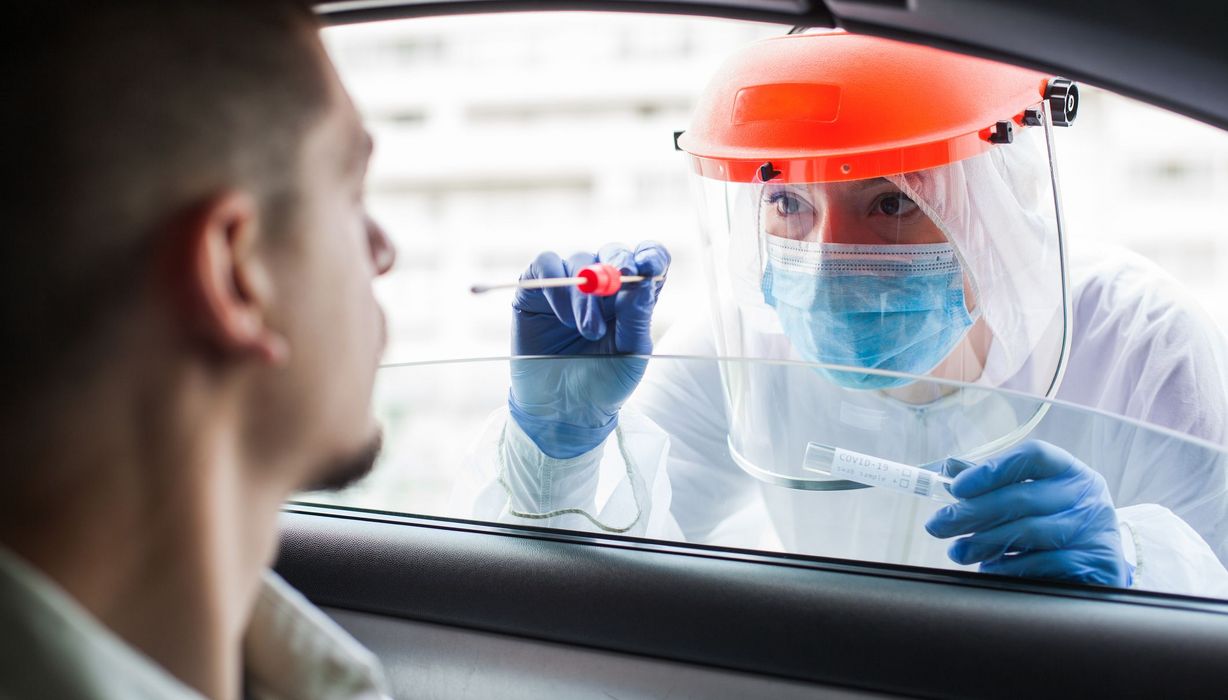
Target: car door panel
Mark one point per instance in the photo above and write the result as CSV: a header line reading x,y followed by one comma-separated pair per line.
x,y
877,628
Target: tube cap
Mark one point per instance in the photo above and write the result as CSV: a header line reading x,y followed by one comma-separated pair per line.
x,y
600,279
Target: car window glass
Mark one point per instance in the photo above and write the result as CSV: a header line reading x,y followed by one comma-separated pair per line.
x,y
498,137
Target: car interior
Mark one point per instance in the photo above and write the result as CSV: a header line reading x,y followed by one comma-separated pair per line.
x,y
458,606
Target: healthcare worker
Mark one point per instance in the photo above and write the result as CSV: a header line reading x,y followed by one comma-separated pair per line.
x,y
884,238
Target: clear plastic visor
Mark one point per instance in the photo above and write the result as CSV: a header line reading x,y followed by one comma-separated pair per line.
x,y
953,274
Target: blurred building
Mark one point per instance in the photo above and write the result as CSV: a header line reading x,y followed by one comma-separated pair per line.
x,y
1152,181
501,136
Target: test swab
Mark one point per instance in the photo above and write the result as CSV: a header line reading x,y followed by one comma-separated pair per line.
x,y
600,279
875,471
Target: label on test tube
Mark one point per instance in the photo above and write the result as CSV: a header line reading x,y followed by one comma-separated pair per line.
x,y
875,471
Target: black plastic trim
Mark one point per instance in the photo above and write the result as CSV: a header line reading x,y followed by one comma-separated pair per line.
x,y
795,618
912,573
1172,55
776,11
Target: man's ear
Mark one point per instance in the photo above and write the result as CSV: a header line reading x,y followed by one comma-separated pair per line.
x,y
226,282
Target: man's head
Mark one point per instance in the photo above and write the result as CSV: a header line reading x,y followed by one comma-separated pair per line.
x,y
187,200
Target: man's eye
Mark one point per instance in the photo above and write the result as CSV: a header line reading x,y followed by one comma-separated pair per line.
x,y
894,204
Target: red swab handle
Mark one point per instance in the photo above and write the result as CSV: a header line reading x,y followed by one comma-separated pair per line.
x,y
600,279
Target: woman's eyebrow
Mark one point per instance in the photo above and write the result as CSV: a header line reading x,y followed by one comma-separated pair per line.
x,y
873,182
794,187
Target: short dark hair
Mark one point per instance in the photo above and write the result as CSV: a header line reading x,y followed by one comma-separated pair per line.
x,y
117,116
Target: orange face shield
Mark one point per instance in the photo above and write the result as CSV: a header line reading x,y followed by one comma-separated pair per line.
x,y
837,107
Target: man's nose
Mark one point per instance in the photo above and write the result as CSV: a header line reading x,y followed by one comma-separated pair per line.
x,y
383,252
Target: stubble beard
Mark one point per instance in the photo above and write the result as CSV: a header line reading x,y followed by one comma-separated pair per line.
x,y
343,472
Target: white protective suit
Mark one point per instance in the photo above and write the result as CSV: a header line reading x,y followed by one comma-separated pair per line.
x,y
1141,349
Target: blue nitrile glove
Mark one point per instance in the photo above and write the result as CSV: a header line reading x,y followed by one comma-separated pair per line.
x,y
568,407
1034,511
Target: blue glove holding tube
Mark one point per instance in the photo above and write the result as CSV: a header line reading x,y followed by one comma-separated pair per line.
x,y
1034,511
569,406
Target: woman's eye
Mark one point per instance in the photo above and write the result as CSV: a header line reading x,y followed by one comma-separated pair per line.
x,y
894,204
786,205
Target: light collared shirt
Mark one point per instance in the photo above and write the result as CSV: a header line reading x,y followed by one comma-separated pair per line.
x,y
51,647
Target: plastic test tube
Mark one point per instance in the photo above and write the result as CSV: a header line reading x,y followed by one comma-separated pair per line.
x,y
600,279
874,471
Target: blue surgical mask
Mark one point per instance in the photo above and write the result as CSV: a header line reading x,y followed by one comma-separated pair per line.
x,y
888,307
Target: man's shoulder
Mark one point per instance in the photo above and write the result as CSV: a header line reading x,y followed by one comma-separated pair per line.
x,y
51,647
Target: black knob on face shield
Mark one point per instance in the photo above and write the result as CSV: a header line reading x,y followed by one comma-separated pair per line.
x,y
1063,96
